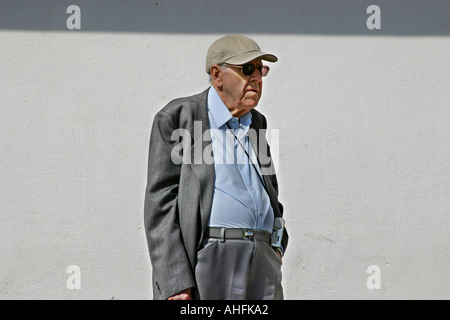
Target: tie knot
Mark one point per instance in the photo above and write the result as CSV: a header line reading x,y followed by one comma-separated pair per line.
x,y
234,123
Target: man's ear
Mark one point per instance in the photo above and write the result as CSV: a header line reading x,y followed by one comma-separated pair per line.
x,y
216,75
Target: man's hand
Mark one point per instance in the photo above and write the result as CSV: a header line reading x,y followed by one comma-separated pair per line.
x,y
278,251
183,295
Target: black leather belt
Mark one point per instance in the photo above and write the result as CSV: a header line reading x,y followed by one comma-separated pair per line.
x,y
246,234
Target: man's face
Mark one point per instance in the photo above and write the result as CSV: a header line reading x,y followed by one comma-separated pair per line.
x,y
241,92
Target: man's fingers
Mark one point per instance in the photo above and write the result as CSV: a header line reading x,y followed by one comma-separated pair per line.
x,y
184,295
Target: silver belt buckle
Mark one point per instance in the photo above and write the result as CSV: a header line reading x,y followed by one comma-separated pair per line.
x,y
248,235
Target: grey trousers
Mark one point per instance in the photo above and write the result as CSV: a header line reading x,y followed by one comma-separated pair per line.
x,y
238,270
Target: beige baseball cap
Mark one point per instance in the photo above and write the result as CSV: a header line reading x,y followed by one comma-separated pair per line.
x,y
235,49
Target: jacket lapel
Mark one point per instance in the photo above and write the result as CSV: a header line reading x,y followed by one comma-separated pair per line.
x,y
203,170
256,143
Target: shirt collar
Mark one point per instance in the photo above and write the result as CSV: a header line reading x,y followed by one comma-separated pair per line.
x,y
220,112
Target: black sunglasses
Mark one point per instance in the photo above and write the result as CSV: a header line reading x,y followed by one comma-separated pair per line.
x,y
248,69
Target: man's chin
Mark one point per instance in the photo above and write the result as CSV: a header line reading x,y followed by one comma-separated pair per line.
x,y
250,103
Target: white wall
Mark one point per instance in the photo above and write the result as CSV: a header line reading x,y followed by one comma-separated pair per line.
x,y
364,166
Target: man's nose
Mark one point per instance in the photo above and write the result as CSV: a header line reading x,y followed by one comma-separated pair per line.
x,y
256,75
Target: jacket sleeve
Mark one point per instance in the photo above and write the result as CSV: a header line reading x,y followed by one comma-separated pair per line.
x,y
172,272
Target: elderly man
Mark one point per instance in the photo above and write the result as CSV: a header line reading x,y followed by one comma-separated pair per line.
x,y
215,228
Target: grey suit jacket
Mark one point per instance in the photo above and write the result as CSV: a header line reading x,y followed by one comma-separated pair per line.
x,y
178,197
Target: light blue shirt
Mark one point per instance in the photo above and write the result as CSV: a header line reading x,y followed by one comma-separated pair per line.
x,y
240,200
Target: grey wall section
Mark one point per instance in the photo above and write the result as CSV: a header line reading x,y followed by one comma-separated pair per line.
x,y
363,119
400,17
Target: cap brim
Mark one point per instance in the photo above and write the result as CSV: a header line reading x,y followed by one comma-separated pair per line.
x,y
249,56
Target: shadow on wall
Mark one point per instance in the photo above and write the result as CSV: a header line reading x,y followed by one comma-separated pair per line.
x,y
329,17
